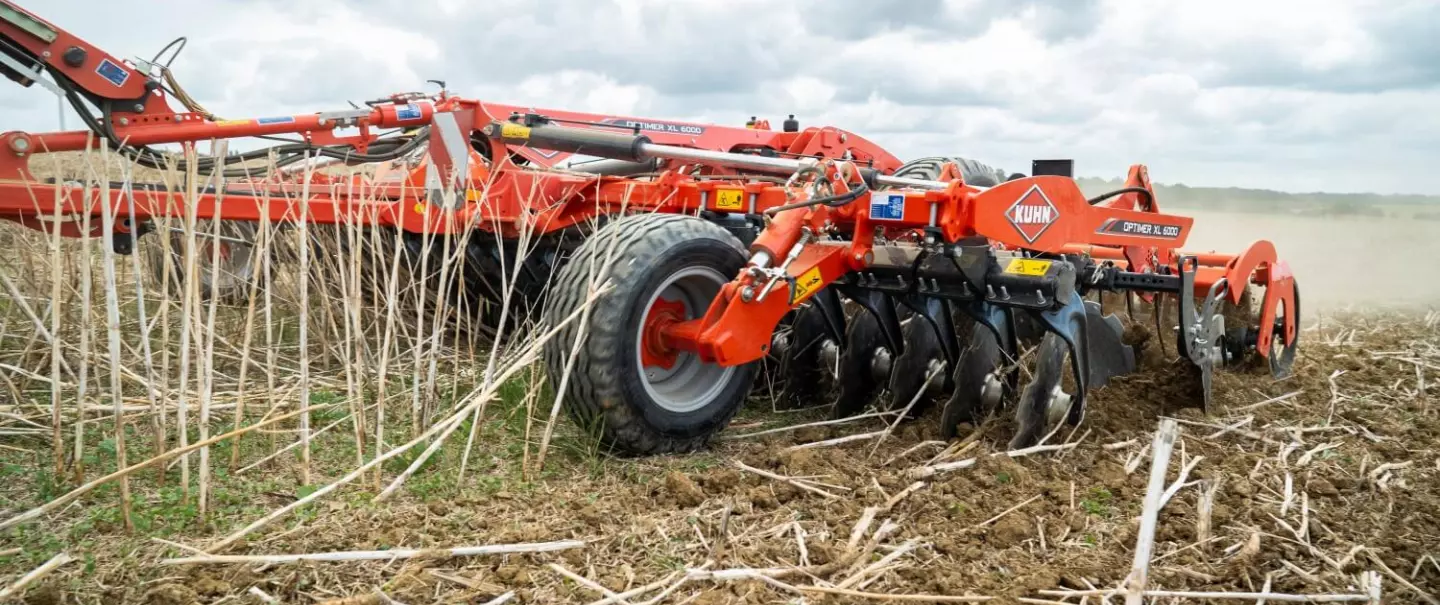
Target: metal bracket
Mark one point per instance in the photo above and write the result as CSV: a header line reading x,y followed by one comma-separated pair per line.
x,y
827,300
936,312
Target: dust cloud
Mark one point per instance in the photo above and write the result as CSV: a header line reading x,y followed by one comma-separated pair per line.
x,y
1339,262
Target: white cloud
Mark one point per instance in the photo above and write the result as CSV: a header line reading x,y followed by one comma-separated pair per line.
x,y
1289,94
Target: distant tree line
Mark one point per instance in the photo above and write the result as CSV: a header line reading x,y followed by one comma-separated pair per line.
x,y
1266,201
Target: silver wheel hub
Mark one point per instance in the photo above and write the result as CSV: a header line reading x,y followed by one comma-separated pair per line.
x,y
690,383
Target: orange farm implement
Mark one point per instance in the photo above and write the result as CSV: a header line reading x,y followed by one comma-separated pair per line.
x,y
865,280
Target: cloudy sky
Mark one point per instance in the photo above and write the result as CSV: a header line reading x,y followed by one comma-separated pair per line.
x,y
1309,95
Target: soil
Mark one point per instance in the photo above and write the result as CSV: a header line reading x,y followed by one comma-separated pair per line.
x,y
1288,511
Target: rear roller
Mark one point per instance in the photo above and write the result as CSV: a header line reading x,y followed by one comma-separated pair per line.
x,y
626,386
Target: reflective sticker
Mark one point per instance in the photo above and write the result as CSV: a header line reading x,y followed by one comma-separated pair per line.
x,y
1027,266
661,127
284,120
419,208
808,283
514,131
1139,229
1032,214
408,112
887,207
113,72
729,199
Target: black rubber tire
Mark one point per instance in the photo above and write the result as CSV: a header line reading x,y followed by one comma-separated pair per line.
x,y
974,173
604,393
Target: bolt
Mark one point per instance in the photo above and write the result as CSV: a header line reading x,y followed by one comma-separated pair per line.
x,y
74,56
20,144
747,293
139,107
124,121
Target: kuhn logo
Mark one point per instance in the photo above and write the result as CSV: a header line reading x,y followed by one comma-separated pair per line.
x,y
1032,214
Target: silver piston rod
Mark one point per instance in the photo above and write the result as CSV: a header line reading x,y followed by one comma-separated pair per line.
x,y
638,148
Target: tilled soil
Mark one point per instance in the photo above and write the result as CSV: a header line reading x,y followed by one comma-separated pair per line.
x,y
1311,490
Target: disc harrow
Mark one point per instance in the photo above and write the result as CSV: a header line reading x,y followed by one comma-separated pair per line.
x,y
810,259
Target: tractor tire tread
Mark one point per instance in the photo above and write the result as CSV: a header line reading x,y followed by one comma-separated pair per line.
x,y
593,392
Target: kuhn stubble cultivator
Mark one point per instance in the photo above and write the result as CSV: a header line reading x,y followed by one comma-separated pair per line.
x,y
895,284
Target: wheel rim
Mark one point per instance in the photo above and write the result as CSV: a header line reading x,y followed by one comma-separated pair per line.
x,y
679,381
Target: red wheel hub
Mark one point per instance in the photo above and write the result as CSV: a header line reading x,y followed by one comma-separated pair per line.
x,y
208,249
654,351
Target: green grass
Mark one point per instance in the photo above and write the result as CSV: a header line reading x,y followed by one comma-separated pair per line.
x,y
1098,502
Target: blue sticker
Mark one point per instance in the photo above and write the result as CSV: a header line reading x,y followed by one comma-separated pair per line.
x,y
889,207
284,120
407,112
113,72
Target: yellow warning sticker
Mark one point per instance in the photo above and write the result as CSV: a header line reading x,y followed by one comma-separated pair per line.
x,y
232,123
729,199
419,208
808,283
514,131
1027,266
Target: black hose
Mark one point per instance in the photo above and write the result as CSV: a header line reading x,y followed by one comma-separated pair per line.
x,y
289,153
1149,197
833,201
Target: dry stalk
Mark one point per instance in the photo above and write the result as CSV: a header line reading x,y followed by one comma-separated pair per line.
x,y
382,555
72,495
792,481
1002,514
112,331
591,584
1279,399
1161,447
926,472
19,585
1236,596
914,487
480,398
837,440
796,427
263,596
1204,508
1180,480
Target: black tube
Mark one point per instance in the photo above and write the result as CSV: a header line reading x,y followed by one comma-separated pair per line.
x,y
833,201
1149,198
583,141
